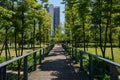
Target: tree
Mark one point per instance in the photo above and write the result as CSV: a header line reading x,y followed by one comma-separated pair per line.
x,y
5,18
19,17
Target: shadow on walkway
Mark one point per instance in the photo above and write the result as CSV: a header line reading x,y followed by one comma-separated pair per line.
x,y
57,66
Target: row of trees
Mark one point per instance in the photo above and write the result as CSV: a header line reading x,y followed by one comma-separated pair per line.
x,y
93,21
23,22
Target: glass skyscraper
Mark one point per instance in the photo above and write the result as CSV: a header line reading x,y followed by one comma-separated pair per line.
x,y
55,17
51,12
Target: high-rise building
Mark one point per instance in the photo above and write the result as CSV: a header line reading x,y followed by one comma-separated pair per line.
x,y
55,17
51,12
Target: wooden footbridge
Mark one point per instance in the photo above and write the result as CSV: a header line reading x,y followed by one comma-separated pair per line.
x,y
56,66
59,62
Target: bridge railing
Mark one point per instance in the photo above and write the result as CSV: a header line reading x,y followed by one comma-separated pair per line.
x,y
95,66
22,65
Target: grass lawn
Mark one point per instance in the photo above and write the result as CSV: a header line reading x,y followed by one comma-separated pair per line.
x,y
12,53
26,50
108,53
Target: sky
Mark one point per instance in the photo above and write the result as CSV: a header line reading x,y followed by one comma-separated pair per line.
x,y
62,7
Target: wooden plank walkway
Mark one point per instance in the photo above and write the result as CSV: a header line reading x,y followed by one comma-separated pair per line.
x,y
56,66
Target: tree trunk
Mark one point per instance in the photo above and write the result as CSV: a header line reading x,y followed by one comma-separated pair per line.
x,y
2,49
16,51
22,43
22,33
101,46
34,36
105,42
19,69
96,43
40,34
119,41
47,37
16,42
111,31
15,35
84,36
6,44
87,45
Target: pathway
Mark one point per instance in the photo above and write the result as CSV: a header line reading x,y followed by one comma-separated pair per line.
x,y
56,66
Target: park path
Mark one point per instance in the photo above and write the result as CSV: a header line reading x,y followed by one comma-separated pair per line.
x,y
56,66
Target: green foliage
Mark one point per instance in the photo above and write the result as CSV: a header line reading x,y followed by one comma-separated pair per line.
x,y
4,13
59,34
30,3
44,1
99,69
21,21
94,21
2,59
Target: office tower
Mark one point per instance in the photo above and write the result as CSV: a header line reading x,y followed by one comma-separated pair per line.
x,y
51,12
56,17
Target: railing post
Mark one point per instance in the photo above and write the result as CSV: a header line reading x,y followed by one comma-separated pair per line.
x,y
1,73
35,59
91,74
43,53
48,49
81,61
113,73
25,68
40,59
67,49
75,55
72,52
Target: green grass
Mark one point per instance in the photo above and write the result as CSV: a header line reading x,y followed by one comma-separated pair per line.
x,y
25,50
98,67
108,53
12,52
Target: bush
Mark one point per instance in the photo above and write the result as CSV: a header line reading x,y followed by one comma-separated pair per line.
x,y
101,69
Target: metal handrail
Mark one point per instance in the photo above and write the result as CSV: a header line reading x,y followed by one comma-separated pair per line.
x,y
25,76
18,58
112,65
101,58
